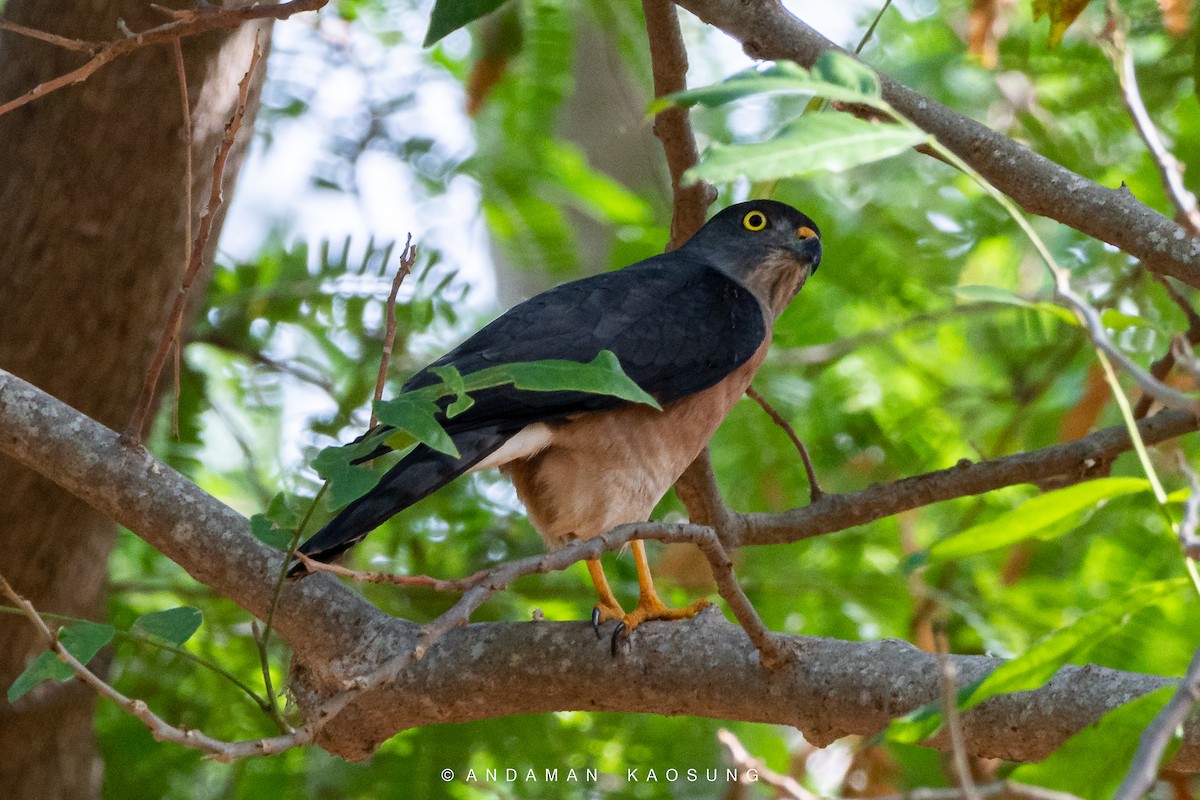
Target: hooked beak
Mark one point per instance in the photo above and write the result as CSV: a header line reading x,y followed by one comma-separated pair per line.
x,y
807,248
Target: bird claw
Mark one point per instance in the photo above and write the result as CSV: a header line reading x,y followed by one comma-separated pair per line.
x,y
616,636
596,621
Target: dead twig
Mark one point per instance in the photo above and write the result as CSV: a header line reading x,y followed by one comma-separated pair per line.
x,y
785,786
60,41
1170,170
160,729
814,488
181,71
407,259
407,581
1158,734
184,25
948,683
171,330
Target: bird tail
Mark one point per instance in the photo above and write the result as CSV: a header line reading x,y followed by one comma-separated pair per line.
x,y
422,472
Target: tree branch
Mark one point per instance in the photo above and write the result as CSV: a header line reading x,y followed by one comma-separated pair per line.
x,y
1077,460
768,31
668,58
705,666
183,25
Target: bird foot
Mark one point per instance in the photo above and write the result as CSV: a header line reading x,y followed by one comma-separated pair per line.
x,y
606,611
651,608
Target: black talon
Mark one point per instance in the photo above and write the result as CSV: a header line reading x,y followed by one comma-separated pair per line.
x,y
616,636
596,620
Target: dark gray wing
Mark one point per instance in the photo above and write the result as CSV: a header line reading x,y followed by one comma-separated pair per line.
x,y
677,327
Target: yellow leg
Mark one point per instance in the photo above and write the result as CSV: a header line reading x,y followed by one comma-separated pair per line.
x,y
649,605
608,607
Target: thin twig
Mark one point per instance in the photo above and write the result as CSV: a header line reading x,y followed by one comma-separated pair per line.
x,y
871,29
814,488
193,23
407,259
276,592
170,334
161,644
785,786
52,38
181,71
407,581
948,683
1152,743
1170,171
160,729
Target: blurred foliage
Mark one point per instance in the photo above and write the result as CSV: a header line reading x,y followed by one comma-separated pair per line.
x,y
887,365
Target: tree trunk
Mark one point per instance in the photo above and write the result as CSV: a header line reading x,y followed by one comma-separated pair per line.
x,y
92,247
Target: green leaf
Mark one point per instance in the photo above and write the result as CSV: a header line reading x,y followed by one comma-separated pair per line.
x,y
1037,664
347,482
1092,763
994,294
1120,321
450,15
813,143
175,625
82,640
269,533
452,383
601,375
847,72
991,294
852,83
921,723
1033,517
416,413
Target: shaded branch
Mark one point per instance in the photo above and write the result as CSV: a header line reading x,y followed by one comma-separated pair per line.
x,y
768,31
1077,459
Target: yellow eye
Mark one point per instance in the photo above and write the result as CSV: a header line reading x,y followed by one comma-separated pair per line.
x,y
755,221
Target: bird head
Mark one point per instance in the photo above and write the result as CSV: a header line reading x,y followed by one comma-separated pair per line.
x,y
766,246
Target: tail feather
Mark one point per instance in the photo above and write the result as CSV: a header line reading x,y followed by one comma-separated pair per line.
x,y
422,472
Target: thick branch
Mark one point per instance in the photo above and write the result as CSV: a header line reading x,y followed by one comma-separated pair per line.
x,y
1040,186
705,666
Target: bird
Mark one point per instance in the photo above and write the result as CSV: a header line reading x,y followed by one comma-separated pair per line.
x,y
691,327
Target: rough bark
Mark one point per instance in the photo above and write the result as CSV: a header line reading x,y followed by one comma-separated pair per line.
x,y
91,248
703,666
